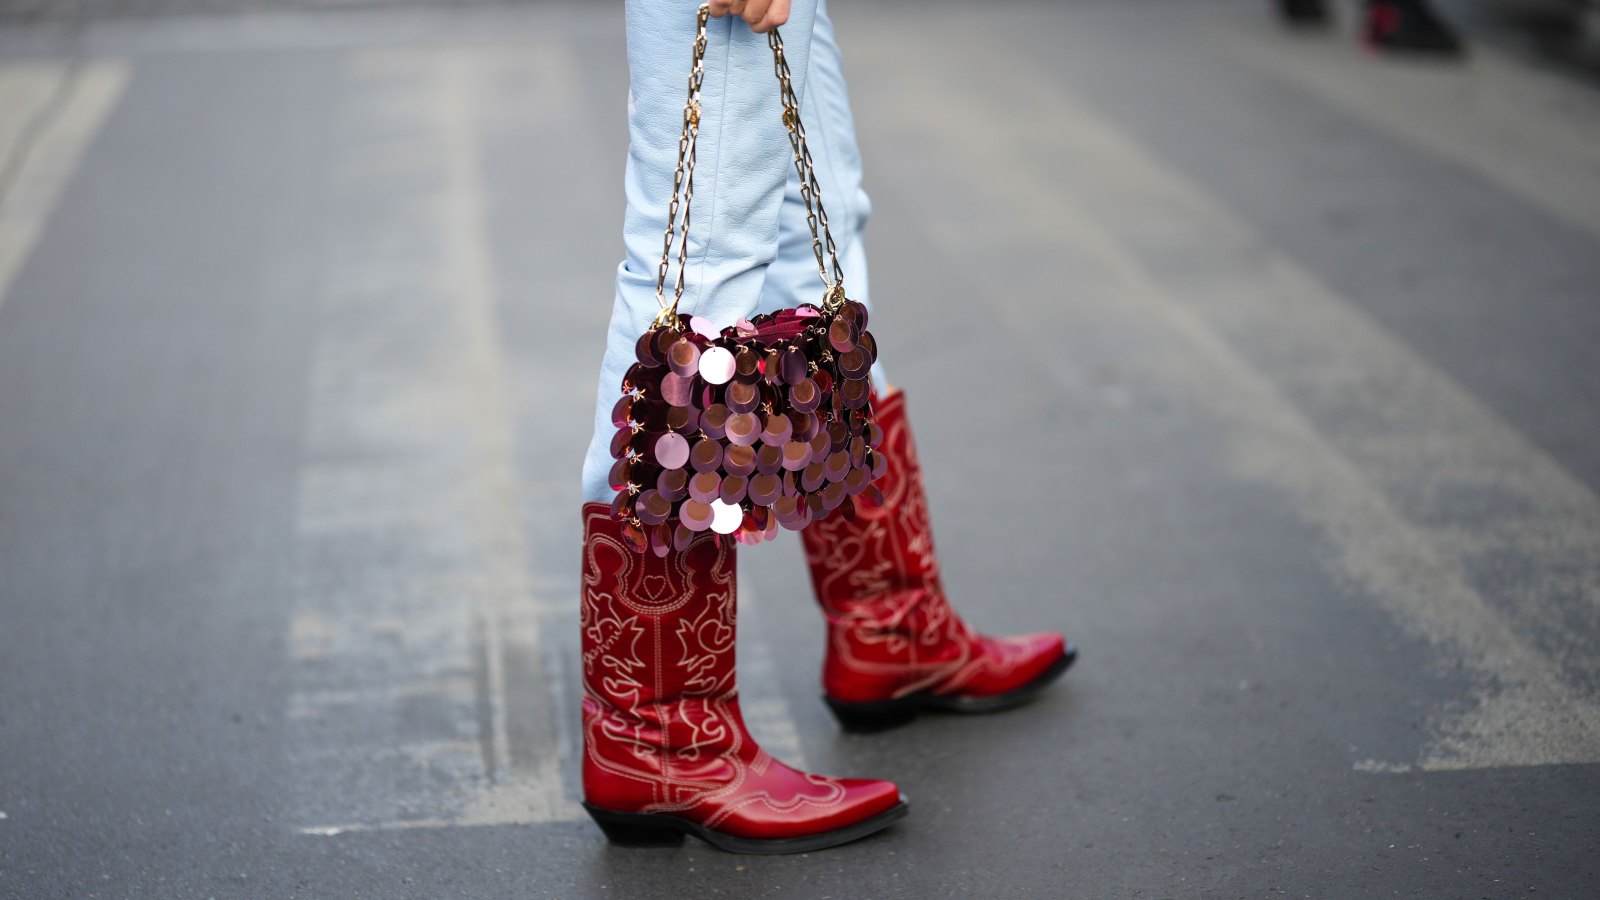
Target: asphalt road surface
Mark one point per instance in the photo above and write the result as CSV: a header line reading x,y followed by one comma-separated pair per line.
x,y
1263,367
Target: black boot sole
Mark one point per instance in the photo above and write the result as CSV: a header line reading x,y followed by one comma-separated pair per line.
x,y
662,830
882,715
1302,13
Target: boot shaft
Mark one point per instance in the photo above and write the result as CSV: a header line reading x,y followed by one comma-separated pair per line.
x,y
888,550
658,645
890,628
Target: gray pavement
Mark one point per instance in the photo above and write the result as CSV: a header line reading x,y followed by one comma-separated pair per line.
x,y
299,312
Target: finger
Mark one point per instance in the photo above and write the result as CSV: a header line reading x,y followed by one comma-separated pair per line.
x,y
777,14
720,8
754,10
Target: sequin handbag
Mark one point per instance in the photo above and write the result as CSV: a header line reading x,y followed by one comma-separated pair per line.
x,y
761,424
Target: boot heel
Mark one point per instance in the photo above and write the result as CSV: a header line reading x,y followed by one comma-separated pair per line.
x,y
635,829
869,717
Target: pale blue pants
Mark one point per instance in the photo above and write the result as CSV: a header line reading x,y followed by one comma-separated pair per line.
x,y
749,248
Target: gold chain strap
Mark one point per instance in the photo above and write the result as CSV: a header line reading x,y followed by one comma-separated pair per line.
x,y
683,180
810,190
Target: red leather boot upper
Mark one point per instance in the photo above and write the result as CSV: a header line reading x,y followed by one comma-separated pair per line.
x,y
662,731
891,630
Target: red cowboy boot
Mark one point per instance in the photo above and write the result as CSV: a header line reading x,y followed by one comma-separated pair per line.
x,y
666,752
894,643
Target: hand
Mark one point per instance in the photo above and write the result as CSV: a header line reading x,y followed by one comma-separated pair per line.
x,y
763,15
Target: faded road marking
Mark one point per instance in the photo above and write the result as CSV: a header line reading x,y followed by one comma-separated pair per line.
x,y
415,600
1531,132
1239,294
50,113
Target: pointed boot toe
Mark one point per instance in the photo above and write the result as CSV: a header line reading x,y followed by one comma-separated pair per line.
x,y
1009,672
835,810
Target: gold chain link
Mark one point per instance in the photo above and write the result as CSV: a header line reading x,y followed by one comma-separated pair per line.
x,y
683,180
810,190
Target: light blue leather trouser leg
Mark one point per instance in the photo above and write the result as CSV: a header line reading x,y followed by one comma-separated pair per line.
x,y
749,248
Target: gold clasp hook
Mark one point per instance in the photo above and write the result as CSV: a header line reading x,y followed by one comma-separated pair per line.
x,y
833,297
